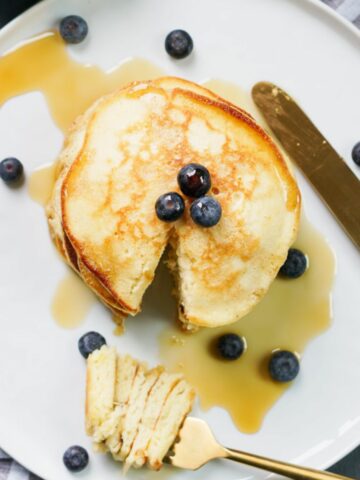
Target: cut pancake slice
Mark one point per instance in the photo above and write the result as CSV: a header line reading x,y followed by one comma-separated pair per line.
x,y
127,369
138,399
177,406
110,429
129,408
137,456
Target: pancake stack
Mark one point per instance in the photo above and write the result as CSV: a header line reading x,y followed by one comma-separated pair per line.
x,y
131,411
125,152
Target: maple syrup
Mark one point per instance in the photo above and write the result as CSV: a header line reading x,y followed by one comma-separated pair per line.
x,y
291,314
72,301
69,87
41,183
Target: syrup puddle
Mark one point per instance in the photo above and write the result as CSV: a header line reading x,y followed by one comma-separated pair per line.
x,y
72,301
292,313
69,87
41,183
234,94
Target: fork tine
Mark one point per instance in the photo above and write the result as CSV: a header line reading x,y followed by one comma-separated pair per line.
x,y
196,445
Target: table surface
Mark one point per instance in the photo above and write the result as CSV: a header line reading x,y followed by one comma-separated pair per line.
x,y
349,465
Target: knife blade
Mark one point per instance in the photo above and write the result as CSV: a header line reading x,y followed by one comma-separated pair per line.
x,y
313,154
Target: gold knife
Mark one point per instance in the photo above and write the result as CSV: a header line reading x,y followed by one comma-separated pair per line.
x,y
313,154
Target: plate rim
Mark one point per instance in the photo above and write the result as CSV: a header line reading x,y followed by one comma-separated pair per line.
x,y
317,4
25,16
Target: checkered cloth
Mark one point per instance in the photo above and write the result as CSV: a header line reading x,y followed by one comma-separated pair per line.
x,y
9,468
350,9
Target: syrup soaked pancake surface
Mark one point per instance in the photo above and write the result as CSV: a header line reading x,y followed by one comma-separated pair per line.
x,y
125,152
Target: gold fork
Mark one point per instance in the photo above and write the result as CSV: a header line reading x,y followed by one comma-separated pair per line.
x,y
197,446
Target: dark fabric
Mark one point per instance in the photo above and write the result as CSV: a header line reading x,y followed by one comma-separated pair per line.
x,y
333,3
5,465
10,9
356,22
349,466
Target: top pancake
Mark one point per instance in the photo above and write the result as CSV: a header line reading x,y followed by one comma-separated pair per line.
x,y
127,151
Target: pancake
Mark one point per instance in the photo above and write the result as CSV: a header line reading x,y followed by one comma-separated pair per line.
x,y
125,152
131,411
71,149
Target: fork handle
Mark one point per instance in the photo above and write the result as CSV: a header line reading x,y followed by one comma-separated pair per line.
x,y
282,468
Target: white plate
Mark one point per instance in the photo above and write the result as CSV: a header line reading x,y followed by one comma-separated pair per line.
x,y
300,45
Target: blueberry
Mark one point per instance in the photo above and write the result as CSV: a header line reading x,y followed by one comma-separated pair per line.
x,y
283,366
89,342
178,44
169,207
11,169
73,29
76,458
356,154
205,211
295,264
231,346
194,180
